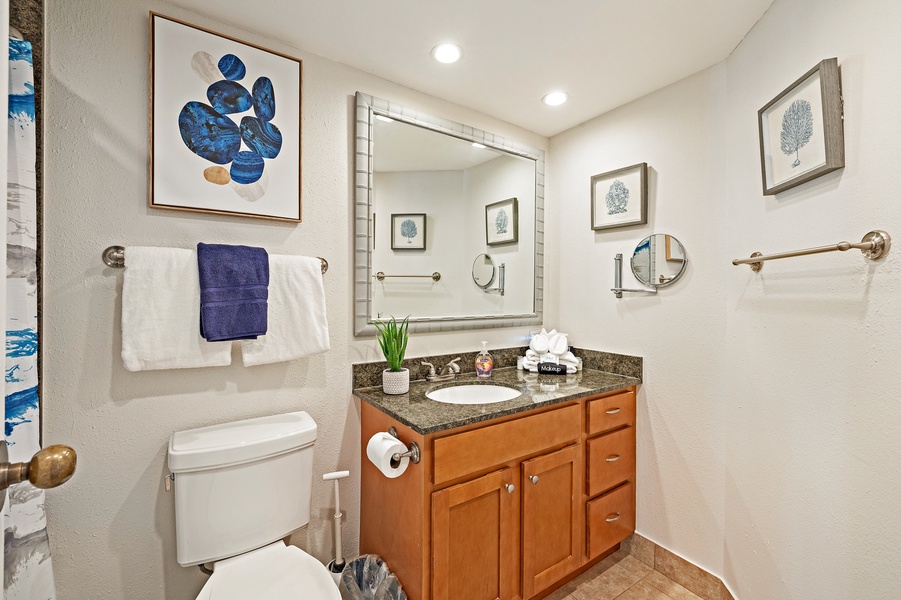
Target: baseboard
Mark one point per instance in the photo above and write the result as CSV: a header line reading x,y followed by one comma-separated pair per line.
x,y
693,578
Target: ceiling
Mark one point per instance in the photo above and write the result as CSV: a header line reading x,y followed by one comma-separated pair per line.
x,y
604,53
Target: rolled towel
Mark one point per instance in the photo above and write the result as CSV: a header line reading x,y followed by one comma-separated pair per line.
x,y
531,354
234,287
569,358
539,342
557,344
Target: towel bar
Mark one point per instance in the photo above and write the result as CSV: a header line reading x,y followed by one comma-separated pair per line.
x,y
874,245
114,256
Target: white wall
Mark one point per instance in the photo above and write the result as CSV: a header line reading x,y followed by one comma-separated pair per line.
x,y
769,418
112,525
439,194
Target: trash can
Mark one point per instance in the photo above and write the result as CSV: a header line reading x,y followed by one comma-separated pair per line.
x,y
368,578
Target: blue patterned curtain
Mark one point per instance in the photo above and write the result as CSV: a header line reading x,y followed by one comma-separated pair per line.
x,y
28,572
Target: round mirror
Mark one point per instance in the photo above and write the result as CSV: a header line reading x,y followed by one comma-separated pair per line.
x,y
483,271
658,260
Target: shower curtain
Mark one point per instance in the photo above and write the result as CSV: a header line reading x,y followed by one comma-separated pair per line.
x,y
28,572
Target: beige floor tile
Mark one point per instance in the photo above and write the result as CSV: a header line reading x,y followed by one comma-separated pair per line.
x,y
643,591
606,586
669,587
641,548
681,571
635,565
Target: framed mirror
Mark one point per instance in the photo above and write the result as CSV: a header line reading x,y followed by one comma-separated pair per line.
x,y
659,260
409,162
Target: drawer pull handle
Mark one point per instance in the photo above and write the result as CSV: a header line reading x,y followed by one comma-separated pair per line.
x,y
510,488
534,479
613,458
614,517
613,411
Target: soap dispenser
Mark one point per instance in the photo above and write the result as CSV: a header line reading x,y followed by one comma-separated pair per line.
x,y
484,362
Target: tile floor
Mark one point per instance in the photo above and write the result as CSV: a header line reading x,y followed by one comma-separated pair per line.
x,y
622,577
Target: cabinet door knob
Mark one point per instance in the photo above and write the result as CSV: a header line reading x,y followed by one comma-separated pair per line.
x,y
613,411
510,488
612,458
534,479
613,517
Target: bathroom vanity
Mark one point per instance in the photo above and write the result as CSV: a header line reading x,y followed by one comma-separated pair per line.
x,y
509,500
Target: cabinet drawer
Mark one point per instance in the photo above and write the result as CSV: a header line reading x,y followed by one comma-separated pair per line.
x,y
611,412
464,453
611,519
611,460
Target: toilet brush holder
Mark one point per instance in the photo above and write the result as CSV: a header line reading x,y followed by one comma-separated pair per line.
x,y
336,571
336,566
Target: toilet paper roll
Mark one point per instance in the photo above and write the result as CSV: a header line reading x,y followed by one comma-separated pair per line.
x,y
381,447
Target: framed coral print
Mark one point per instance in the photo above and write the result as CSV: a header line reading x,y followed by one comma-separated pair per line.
x,y
225,124
408,231
801,132
620,198
502,222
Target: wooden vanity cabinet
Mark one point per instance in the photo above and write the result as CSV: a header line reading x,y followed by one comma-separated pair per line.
x,y
505,509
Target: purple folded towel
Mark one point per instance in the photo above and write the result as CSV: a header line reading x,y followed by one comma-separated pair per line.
x,y
234,288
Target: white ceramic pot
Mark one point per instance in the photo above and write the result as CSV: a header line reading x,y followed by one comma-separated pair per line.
x,y
396,382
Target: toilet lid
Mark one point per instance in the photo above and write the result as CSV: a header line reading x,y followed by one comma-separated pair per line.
x,y
274,572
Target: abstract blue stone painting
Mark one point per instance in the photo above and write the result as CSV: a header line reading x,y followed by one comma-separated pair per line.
x,y
620,198
28,569
225,124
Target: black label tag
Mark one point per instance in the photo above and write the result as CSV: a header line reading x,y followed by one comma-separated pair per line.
x,y
551,369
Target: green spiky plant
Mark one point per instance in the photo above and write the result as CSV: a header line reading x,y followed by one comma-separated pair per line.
x,y
393,341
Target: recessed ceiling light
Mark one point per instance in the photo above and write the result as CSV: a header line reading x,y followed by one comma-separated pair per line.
x,y
555,98
384,118
478,145
447,53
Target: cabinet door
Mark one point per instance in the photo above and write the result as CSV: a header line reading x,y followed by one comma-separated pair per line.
x,y
551,518
473,539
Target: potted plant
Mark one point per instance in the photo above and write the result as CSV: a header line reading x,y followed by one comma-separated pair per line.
x,y
392,338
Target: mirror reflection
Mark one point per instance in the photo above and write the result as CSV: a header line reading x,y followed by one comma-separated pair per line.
x,y
432,185
483,271
659,260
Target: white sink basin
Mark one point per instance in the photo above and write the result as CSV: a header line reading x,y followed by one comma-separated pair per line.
x,y
473,394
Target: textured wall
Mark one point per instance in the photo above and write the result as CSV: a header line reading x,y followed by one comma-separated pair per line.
x,y
112,525
769,418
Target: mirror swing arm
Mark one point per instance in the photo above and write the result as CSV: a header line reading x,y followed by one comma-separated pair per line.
x,y
618,288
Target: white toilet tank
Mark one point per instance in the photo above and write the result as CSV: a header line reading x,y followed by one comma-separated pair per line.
x,y
241,485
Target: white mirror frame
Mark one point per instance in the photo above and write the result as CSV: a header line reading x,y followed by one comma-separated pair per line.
x,y
367,107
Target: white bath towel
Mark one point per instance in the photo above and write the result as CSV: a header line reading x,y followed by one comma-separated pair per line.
x,y
297,322
161,312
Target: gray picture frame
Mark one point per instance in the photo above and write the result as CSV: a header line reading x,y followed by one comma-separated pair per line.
x,y
494,237
818,129
627,212
419,221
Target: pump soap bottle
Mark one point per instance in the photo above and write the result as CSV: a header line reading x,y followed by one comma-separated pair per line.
x,y
484,362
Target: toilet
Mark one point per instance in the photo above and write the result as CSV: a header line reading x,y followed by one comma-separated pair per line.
x,y
240,488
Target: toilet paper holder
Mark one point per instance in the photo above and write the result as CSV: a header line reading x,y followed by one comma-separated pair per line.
x,y
412,451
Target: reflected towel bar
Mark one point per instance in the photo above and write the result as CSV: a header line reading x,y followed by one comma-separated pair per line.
x,y
874,246
436,276
114,256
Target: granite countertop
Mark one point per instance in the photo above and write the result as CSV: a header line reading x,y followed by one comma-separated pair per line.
x,y
426,416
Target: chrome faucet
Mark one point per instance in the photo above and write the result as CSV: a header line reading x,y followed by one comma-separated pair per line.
x,y
448,371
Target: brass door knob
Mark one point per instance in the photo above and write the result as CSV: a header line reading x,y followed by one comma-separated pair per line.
x,y
50,467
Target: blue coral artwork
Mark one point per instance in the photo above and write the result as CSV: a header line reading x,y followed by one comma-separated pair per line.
x,y
226,124
620,198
